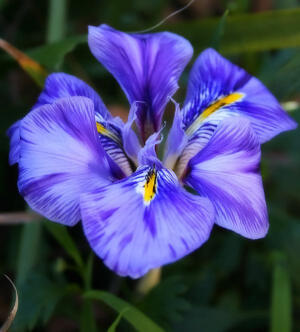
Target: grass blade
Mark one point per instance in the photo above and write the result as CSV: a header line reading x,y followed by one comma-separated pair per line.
x,y
281,308
56,20
134,316
245,32
29,249
33,68
14,310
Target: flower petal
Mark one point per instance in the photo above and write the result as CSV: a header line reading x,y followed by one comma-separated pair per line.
x,y
14,135
58,85
62,85
132,145
226,171
111,137
134,230
60,158
176,141
147,66
147,155
217,89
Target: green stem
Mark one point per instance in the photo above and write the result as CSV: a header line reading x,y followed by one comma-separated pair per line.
x,y
88,322
57,16
150,280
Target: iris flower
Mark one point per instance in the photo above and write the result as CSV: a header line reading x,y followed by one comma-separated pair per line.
x,y
78,162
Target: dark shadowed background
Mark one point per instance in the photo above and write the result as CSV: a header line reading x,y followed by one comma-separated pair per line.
x,y
231,283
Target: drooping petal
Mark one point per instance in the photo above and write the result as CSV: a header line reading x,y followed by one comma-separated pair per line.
x,y
226,171
58,85
62,85
14,135
145,221
60,158
147,66
218,89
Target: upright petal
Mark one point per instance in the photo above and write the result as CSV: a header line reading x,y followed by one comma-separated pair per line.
x,y
147,155
60,158
14,135
218,89
132,144
145,221
226,171
176,141
147,66
62,85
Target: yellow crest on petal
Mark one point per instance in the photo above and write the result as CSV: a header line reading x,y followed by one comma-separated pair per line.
x,y
225,101
150,186
105,132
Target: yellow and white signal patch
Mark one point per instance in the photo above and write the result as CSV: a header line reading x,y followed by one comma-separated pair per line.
x,y
148,187
215,106
105,132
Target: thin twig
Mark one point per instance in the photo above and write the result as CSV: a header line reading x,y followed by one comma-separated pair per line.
x,y
11,218
14,310
166,18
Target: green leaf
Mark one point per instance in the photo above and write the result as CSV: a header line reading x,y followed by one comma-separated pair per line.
x,y
115,324
134,316
52,55
2,3
284,80
245,32
62,236
281,310
38,298
88,272
219,33
33,68
28,250
214,319
165,303
56,20
87,320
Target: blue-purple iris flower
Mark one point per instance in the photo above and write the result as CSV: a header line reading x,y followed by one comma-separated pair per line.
x,y
78,162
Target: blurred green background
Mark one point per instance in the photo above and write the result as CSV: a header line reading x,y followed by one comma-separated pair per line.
x,y
231,283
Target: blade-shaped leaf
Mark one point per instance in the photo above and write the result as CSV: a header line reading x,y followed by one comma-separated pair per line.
x,y
115,324
62,236
28,250
284,81
87,317
166,302
134,316
56,20
52,55
33,68
39,295
245,32
281,310
219,32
